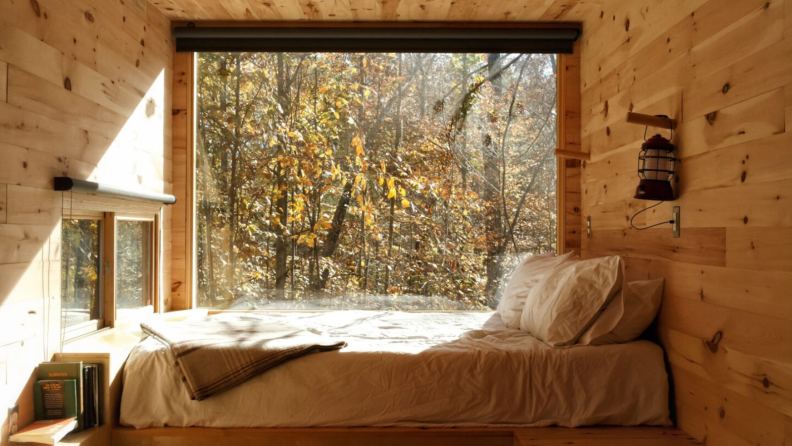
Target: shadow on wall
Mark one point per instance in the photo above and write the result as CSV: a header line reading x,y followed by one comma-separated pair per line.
x,y
106,121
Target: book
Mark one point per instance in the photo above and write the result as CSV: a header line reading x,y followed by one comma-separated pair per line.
x,y
45,431
66,370
55,399
91,395
97,393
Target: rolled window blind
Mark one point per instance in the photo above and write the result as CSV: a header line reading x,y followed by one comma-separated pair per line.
x,y
74,184
370,39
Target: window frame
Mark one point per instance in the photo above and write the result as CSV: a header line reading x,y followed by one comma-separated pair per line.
x,y
110,255
107,273
83,328
569,153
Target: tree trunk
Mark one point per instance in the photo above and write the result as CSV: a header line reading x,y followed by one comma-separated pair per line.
x,y
491,193
282,195
334,233
394,155
233,186
207,209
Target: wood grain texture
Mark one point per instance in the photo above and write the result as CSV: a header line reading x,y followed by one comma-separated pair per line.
x,y
181,280
83,93
368,10
400,435
722,69
3,81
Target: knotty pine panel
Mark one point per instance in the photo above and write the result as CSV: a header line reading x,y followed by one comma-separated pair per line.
x,y
722,69
3,81
371,10
3,203
84,92
181,113
788,107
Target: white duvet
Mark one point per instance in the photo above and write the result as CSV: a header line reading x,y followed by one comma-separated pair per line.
x,y
408,369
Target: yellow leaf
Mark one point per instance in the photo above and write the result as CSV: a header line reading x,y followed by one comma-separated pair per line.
x,y
405,203
392,193
367,93
383,168
337,116
381,181
402,192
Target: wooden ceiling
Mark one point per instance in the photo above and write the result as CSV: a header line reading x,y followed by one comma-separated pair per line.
x,y
374,10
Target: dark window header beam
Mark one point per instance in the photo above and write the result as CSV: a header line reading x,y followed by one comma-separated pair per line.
x,y
369,39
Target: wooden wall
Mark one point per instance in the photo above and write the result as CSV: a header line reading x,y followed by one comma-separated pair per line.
x,y
569,222
84,92
183,182
723,69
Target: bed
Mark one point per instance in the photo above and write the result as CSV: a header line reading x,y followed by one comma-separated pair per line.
x,y
414,369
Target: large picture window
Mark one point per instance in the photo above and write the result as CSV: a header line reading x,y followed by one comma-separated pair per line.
x,y
371,181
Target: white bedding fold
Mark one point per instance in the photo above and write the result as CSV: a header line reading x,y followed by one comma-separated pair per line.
x,y
415,369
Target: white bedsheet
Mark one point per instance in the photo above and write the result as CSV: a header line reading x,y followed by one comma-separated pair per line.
x,y
409,369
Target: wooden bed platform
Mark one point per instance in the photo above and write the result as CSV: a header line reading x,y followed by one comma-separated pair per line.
x,y
112,347
546,436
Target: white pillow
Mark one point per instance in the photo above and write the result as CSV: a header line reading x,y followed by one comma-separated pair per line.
x,y
530,271
628,315
563,305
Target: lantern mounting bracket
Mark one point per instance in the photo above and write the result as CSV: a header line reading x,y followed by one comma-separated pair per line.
x,y
675,218
659,121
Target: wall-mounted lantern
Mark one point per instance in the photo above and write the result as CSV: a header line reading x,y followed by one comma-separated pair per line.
x,y
656,166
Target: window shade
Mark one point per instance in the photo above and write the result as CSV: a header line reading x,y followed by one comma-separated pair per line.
x,y
367,39
67,184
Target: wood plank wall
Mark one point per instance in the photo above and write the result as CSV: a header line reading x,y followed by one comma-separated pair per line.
x,y
183,181
723,69
84,92
569,141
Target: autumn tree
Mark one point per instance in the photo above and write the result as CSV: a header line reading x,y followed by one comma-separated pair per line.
x,y
371,180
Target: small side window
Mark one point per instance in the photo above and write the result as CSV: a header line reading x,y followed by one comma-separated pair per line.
x,y
134,266
81,275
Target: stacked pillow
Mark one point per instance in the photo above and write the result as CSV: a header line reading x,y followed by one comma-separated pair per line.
x,y
527,274
628,315
565,301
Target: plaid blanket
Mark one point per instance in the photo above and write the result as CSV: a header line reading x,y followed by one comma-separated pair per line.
x,y
216,353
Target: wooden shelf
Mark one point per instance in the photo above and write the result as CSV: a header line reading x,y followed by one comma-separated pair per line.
x,y
583,156
97,436
651,121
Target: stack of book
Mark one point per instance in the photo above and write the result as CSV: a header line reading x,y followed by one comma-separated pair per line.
x,y
69,389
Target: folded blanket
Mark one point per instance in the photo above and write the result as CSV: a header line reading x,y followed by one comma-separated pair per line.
x,y
216,353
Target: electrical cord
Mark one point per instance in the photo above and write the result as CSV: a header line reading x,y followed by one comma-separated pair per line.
x,y
644,210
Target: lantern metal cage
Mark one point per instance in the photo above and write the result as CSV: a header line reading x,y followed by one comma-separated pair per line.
x,y
656,169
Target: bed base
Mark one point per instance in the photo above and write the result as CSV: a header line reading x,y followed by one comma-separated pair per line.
x,y
398,436
364,436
